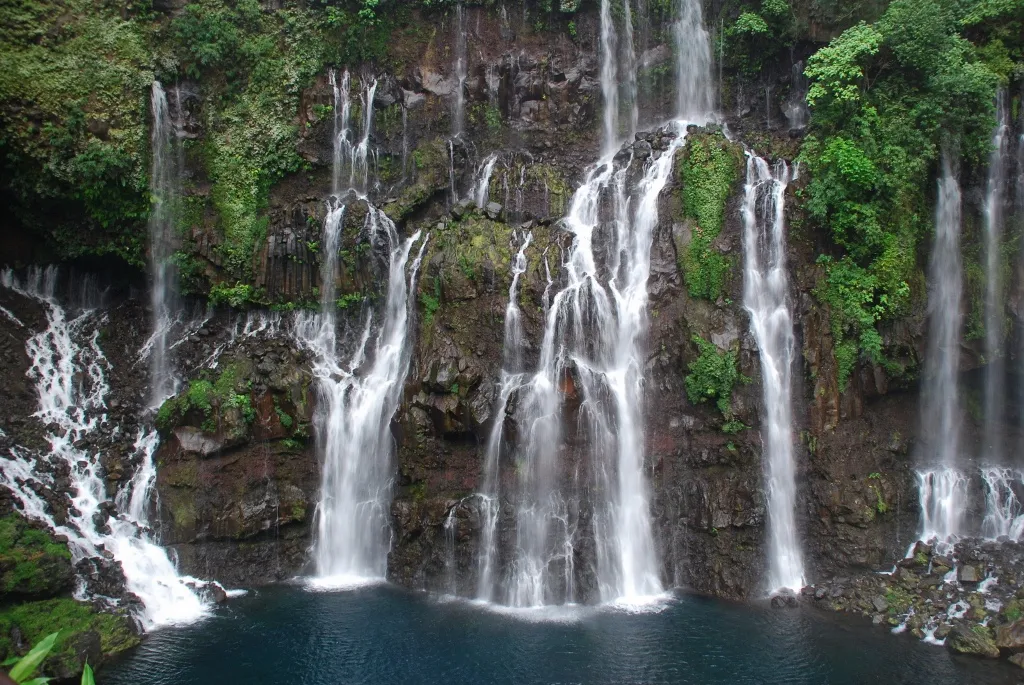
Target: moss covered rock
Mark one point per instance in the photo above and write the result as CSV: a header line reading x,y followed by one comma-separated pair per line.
x,y
32,561
84,634
973,640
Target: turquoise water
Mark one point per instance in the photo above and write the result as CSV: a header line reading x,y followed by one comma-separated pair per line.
x,y
385,635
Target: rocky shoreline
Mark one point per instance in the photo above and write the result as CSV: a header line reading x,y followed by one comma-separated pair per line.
x,y
969,598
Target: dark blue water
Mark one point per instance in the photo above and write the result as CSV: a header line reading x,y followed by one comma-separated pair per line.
x,y
384,636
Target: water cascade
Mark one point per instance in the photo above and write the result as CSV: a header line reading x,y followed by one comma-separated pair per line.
x,y
165,177
461,67
995,198
592,349
482,187
766,297
511,379
609,81
1004,513
629,67
357,401
347,152
693,63
359,176
69,370
942,487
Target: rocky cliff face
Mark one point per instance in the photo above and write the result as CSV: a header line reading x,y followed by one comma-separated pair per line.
x,y
238,469
239,507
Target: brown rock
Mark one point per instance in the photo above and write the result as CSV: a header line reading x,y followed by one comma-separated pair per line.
x,y
1011,636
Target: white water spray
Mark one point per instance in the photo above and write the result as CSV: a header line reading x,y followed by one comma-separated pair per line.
x,y
995,198
766,298
1004,513
69,371
461,66
165,177
942,488
511,379
481,192
357,402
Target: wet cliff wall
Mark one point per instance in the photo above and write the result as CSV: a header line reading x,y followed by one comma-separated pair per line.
x,y
238,479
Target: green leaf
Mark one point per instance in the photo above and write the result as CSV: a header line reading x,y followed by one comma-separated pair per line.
x,y
28,664
87,678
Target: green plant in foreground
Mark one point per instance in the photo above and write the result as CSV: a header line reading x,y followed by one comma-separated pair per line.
x,y
22,668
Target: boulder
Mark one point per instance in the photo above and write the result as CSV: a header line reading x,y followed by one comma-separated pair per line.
x,y
1017,660
879,603
493,210
196,441
972,640
969,574
1011,636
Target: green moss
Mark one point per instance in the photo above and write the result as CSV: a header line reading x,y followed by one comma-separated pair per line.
x,y
209,398
899,600
73,620
32,562
74,85
283,416
709,168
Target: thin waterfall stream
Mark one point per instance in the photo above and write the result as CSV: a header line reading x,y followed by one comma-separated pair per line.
x,y
766,297
995,198
165,178
360,394
942,484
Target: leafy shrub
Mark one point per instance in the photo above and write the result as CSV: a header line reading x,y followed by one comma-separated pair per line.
x,y
712,376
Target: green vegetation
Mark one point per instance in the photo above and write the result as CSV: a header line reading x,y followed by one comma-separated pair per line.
x,y
74,86
32,562
707,174
899,600
431,302
885,99
24,667
712,376
758,35
37,621
238,296
210,399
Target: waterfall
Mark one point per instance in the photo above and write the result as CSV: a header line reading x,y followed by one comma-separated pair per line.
x,y
629,67
995,197
766,298
164,180
345,151
511,379
353,422
795,108
592,356
942,488
459,105
69,370
609,82
1004,513
693,63
359,176
481,192
342,148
